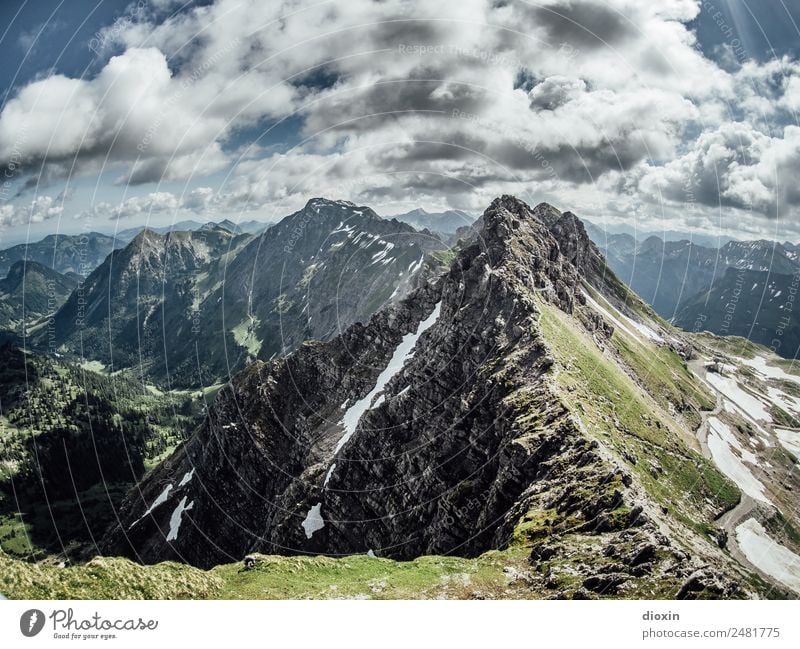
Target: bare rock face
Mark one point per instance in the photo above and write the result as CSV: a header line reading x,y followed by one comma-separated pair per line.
x,y
433,429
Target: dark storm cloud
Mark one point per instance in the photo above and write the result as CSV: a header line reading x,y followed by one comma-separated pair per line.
x,y
581,24
366,109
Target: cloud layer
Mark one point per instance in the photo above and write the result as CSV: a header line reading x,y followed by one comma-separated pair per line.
x,y
605,105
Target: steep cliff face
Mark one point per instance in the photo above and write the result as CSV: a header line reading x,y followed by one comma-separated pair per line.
x,y
439,427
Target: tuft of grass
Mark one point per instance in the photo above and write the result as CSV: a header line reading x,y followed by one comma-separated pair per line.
x,y
730,345
783,418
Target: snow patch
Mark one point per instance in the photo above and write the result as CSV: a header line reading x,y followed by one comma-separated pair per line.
x,y
177,517
790,440
186,478
416,265
789,403
746,403
759,364
770,557
402,354
608,315
343,228
313,521
721,442
160,500
328,475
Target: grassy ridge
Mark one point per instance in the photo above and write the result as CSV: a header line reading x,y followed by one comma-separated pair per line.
x,y
105,578
614,409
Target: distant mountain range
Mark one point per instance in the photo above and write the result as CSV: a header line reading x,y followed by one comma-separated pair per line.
x,y
250,226
699,238
761,306
73,253
744,288
82,253
445,222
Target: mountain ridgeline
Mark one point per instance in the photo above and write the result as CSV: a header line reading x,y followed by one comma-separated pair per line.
x,y
445,222
31,292
133,307
63,253
470,415
191,308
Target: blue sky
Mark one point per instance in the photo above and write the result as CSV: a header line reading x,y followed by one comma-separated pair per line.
x,y
51,35
226,109
765,29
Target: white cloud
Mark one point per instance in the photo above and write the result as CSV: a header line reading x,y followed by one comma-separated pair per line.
x,y
42,208
400,100
735,166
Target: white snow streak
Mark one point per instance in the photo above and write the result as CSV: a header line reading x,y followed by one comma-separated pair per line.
x,y
790,440
759,364
186,478
328,475
744,401
403,353
177,517
721,443
162,498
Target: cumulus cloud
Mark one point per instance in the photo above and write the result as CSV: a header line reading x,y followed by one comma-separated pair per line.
x,y
556,91
42,208
201,200
733,166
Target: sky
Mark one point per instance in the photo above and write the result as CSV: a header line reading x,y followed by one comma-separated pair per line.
x,y
675,115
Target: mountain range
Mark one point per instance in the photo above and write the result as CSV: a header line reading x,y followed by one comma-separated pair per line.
x,y
77,253
742,288
506,418
190,308
249,227
447,222
522,402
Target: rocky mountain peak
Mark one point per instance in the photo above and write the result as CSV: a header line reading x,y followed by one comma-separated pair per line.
x,y
328,206
435,427
459,346
546,213
552,250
